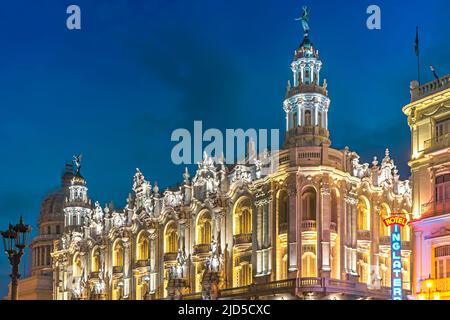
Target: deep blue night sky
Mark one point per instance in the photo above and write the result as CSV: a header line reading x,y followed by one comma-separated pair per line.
x,y
137,70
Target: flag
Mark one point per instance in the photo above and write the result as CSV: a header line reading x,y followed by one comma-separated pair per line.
x,y
417,42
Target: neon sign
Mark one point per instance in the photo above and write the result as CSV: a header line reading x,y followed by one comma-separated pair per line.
x,y
396,222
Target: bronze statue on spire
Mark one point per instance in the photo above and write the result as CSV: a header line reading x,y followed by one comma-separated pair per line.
x,y
305,20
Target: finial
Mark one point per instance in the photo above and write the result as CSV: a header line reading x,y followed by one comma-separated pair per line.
x,y
387,152
186,175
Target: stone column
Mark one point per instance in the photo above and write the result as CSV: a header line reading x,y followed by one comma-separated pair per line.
x,y
126,269
325,219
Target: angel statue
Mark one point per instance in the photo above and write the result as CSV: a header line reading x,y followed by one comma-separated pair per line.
x,y
305,20
77,161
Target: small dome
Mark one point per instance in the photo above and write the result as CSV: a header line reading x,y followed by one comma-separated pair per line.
x,y
78,179
306,49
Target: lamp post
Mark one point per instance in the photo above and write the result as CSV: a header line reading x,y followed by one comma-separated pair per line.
x,y
429,284
15,240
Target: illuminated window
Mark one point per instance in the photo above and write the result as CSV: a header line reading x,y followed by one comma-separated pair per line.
x,y
77,267
243,217
309,265
204,228
142,247
442,262
95,261
308,118
363,214
442,189
171,239
309,204
118,255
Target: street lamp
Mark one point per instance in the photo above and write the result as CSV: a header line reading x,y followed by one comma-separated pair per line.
x,y
15,240
429,284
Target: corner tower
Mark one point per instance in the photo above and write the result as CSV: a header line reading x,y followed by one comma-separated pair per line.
x,y
306,103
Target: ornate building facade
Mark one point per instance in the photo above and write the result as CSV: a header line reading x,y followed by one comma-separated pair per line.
x,y
429,120
313,229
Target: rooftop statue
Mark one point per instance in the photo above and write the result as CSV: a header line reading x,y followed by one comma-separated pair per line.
x,y
305,20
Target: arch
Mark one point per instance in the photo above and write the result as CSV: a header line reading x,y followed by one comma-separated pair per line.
x,y
283,211
118,252
171,238
309,204
308,118
309,265
77,266
95,260
385,212
142,246
363,218
242,216
334,206
203,228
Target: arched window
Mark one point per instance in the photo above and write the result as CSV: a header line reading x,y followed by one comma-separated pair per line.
x,y
171,239
363,214
334,206
142,247
118,254
204,228
308,118
319,122
309,204
295,120
95,265
307,76
309,266
243,217
283,212
77,267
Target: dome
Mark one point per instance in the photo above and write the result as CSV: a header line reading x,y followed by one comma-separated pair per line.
x,y
78,179
306,50
52,207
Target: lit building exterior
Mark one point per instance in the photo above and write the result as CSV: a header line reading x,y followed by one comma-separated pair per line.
x,y
313,229
39,285
429,120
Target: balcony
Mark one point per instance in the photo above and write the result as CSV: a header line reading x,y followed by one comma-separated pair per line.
x,y
437,143
430,88
309,225
242,239
94,275
142,263
306,88
202,249
117,269
170,256
432,209
437,285
364,235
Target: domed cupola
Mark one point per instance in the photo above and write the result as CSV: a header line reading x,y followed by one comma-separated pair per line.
x,y
306,104
77,205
